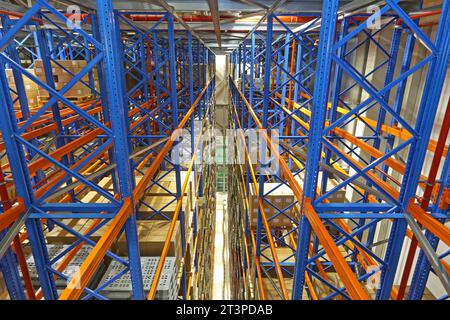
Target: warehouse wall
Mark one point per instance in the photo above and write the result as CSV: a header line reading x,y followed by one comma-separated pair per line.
x,y
222,92
222,72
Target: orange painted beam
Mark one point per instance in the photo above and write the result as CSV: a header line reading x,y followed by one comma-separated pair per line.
x,y
8,217
430,223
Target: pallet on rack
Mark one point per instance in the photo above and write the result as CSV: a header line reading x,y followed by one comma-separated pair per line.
x,y
44,99
120,289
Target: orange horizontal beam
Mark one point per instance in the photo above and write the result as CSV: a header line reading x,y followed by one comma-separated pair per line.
x,y
430,223
8,217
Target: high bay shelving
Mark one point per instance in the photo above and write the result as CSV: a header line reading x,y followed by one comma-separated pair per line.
x,y
351,150
360,182
96,160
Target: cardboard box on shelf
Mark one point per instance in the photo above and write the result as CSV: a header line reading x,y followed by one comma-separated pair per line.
x,y
65,77
190,250
281,196
59,64
80,63
78,90
63,71
31,88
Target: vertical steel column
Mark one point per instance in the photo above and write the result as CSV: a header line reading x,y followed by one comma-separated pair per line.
x,y
37,46
118,113
265,116
87,56
8,263
45,56
319,108
174,109
243,76
251,85
191,102
11,277
337,81
18,80
51,44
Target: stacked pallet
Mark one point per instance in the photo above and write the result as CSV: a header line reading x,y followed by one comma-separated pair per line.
x,y
31,89
156,211
54,251
63,71
121,289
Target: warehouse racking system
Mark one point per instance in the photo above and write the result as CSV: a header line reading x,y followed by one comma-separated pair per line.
x,y
344,187
347,197
95,157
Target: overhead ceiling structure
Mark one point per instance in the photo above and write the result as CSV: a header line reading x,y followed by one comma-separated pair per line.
x,y
220,24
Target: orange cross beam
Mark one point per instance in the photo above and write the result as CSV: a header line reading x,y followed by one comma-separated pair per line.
x,y
431,224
